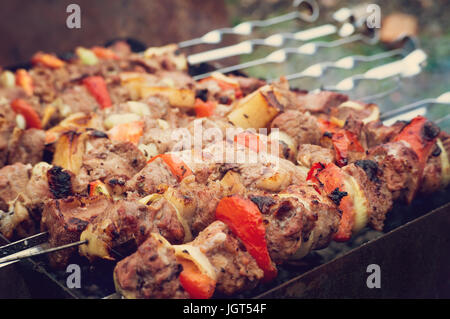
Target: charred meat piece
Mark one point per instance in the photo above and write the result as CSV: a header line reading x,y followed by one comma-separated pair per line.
x,y
65,219
59,182
302,127
38,188
151,272
432,175
235,268
322,102
309,154
273,175
162,139
14,217
6,128
376,133
26,146
17,223
126,225
79,99
151,177
284,219
248,85
13,181
23,191
378,198
358,111
436,172
114,163
196,201
322,217
400,167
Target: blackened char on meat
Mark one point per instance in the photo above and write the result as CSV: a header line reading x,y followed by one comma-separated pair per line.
x,y
336,196
263,202
370,168
430,131
60,182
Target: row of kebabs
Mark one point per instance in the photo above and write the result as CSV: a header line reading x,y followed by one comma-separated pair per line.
x,y
254,230
120,177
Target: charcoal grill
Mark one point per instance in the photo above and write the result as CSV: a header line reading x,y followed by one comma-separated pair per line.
x,y
412,249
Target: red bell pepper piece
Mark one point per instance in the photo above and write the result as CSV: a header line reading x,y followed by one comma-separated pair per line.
x,y
332,180
178,168
197,284
47,60
97,188
250,140
24,80
204,109
96,85
50,137
127,132
312,175
226,86
313,171
104,53
31,117
421,135
245,221
344,141
327,126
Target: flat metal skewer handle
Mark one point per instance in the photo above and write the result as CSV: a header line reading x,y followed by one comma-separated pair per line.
x,y
416,108
408,66
275,41
442,99
246,28
36,251
22,244
346,63
281,55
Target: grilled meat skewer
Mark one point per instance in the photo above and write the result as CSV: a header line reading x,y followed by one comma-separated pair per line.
x,y
341,189
103,153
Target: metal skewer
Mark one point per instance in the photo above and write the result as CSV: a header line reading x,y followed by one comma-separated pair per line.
x,y
416,108
36,251
347,63
442,99
22,244
281,55
278,40
408,66
275,41
403,68
246,28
